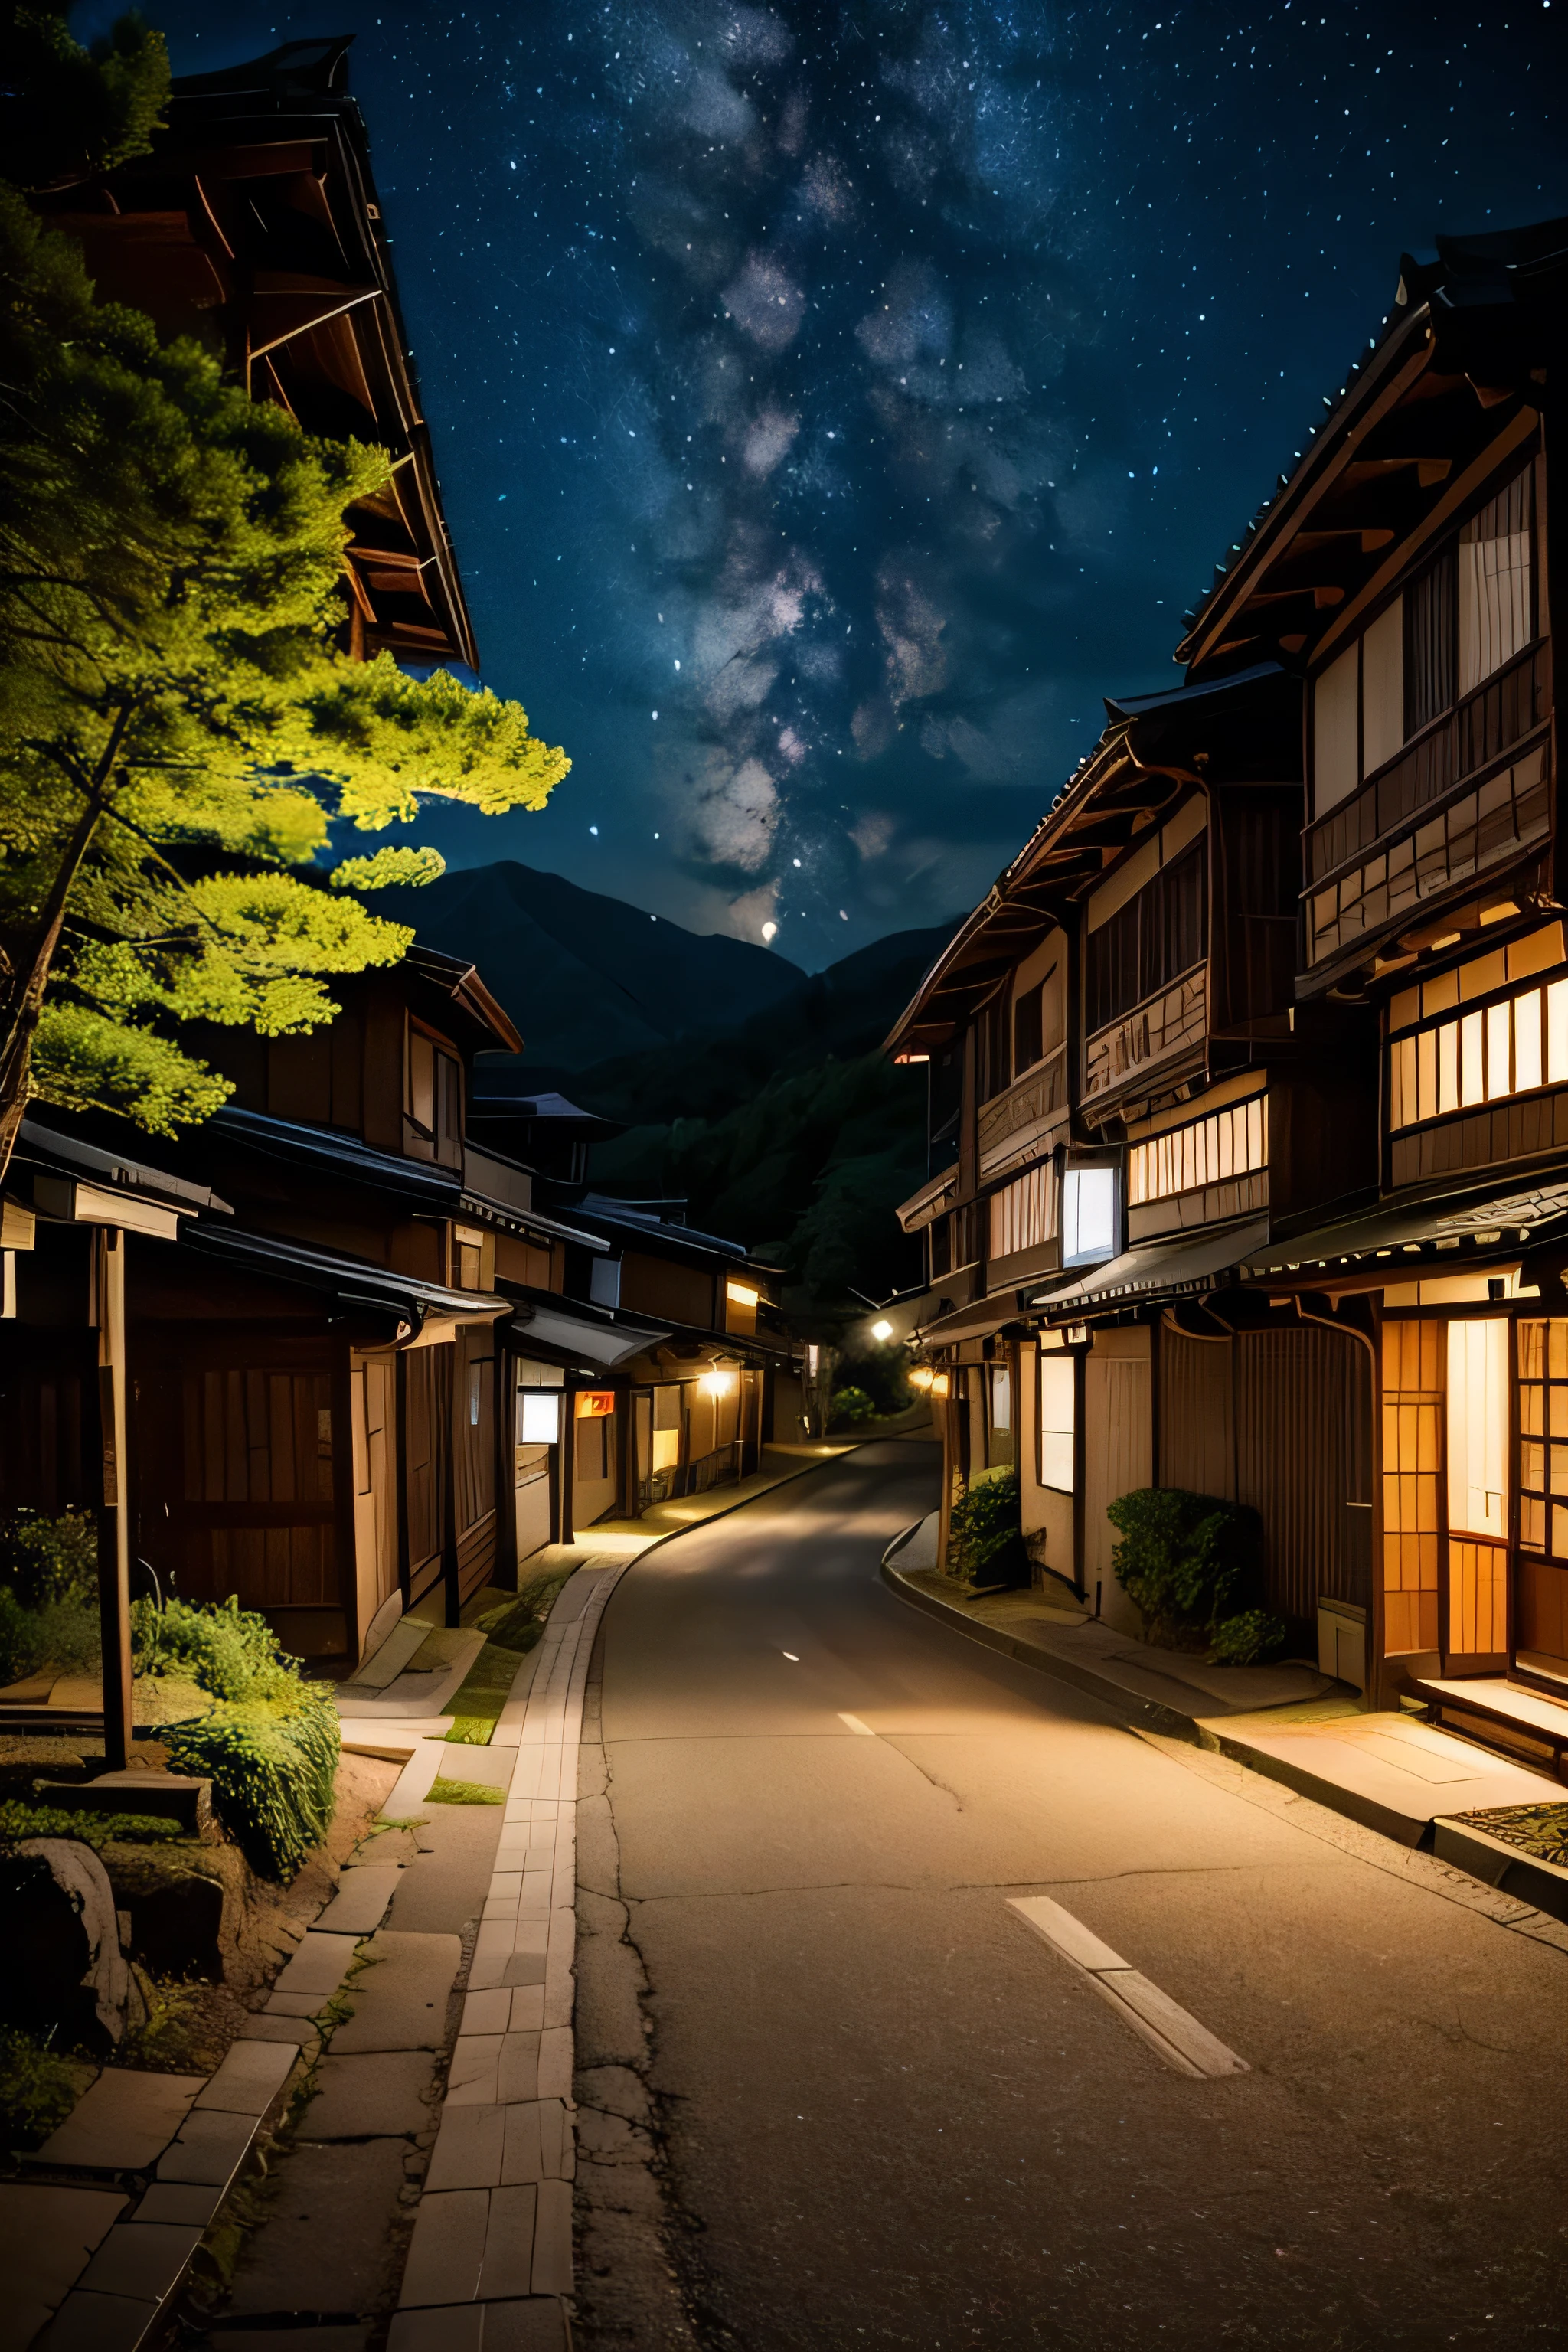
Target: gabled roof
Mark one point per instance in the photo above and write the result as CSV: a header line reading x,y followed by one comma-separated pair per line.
x,y
460,983
1454,367
1153,745
255,220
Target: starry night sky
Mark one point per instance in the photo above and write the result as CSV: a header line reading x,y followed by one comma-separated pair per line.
x,y
864,390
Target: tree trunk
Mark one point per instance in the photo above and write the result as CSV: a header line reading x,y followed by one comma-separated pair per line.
x,y
30,972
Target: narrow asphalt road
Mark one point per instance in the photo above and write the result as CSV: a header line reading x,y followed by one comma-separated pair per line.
x,y
886,2113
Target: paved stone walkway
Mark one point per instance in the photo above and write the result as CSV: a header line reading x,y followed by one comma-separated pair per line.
x,y
490,2262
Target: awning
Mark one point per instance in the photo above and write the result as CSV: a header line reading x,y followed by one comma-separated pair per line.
x,y
1440,1230
981,1320
1175,1264
347,1282
571,1333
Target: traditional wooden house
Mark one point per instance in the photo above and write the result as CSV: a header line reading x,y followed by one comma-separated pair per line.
x,y
1294,1106
1138,1105
1407,568
254,224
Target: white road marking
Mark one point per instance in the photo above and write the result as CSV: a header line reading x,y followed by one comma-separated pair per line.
x,y
1172,2031
855,1725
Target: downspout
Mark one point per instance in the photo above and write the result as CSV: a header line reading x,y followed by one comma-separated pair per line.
x,y
1374,1676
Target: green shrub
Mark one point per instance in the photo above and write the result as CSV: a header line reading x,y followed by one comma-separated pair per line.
x,y
20,1820
21,1650
850,1407
272,1763
37,2090
1187,1562
985,1538
45,1559
1245,1640
49,1593
269,1746
226,1650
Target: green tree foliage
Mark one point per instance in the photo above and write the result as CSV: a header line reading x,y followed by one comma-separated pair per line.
x,y
65,109
178,725
807,1172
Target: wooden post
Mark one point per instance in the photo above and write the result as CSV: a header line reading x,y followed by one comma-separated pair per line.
x,y
567,1450
455,1400
400,1471
114,1514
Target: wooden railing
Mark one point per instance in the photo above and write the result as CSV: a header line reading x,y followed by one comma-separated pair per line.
x,y
1486,724
1011,1123
1161,1026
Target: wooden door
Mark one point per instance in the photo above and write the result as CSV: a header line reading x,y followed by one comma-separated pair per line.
x,y
238,1480
375,1501
474,1459
427,1429
1540,1647
1303,1462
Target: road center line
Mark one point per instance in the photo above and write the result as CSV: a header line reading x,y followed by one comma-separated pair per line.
x,y
1171,2032
855,1725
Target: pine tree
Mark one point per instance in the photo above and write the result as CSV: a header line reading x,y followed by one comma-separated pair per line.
x,y
178,725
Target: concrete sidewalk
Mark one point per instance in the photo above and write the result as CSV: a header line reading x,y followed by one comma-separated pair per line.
x,y
1391,1772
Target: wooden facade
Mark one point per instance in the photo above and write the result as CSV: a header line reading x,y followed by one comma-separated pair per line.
x,y
1307,1132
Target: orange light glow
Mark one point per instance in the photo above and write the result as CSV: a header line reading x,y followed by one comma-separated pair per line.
x,y
595,1404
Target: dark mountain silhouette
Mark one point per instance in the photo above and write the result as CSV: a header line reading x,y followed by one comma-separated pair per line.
x,y
751,1089
586,977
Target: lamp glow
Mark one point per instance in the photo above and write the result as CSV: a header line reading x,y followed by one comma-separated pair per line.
x,y
882,1330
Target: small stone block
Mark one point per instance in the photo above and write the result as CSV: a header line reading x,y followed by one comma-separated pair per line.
x,y
556,2059
472,2082
145,2260
517,2075
524,1968
471,2149
319,1966
552,2237
508,2267
522,2154
124,2121
527,2007
170,2201
360,1905
538,2325
298,2031
537,2144
98,2323
250,2078
487,2013
294,2004
400,2002
210,2149
447,2248
448,2327
378,2095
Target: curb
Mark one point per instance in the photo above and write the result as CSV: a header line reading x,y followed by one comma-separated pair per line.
x,y
1512,1872
1145,1713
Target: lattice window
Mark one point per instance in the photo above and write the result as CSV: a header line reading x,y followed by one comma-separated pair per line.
x,y
1413,1401
1228,1143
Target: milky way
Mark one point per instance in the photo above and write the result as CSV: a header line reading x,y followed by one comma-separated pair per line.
x,y
832,403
